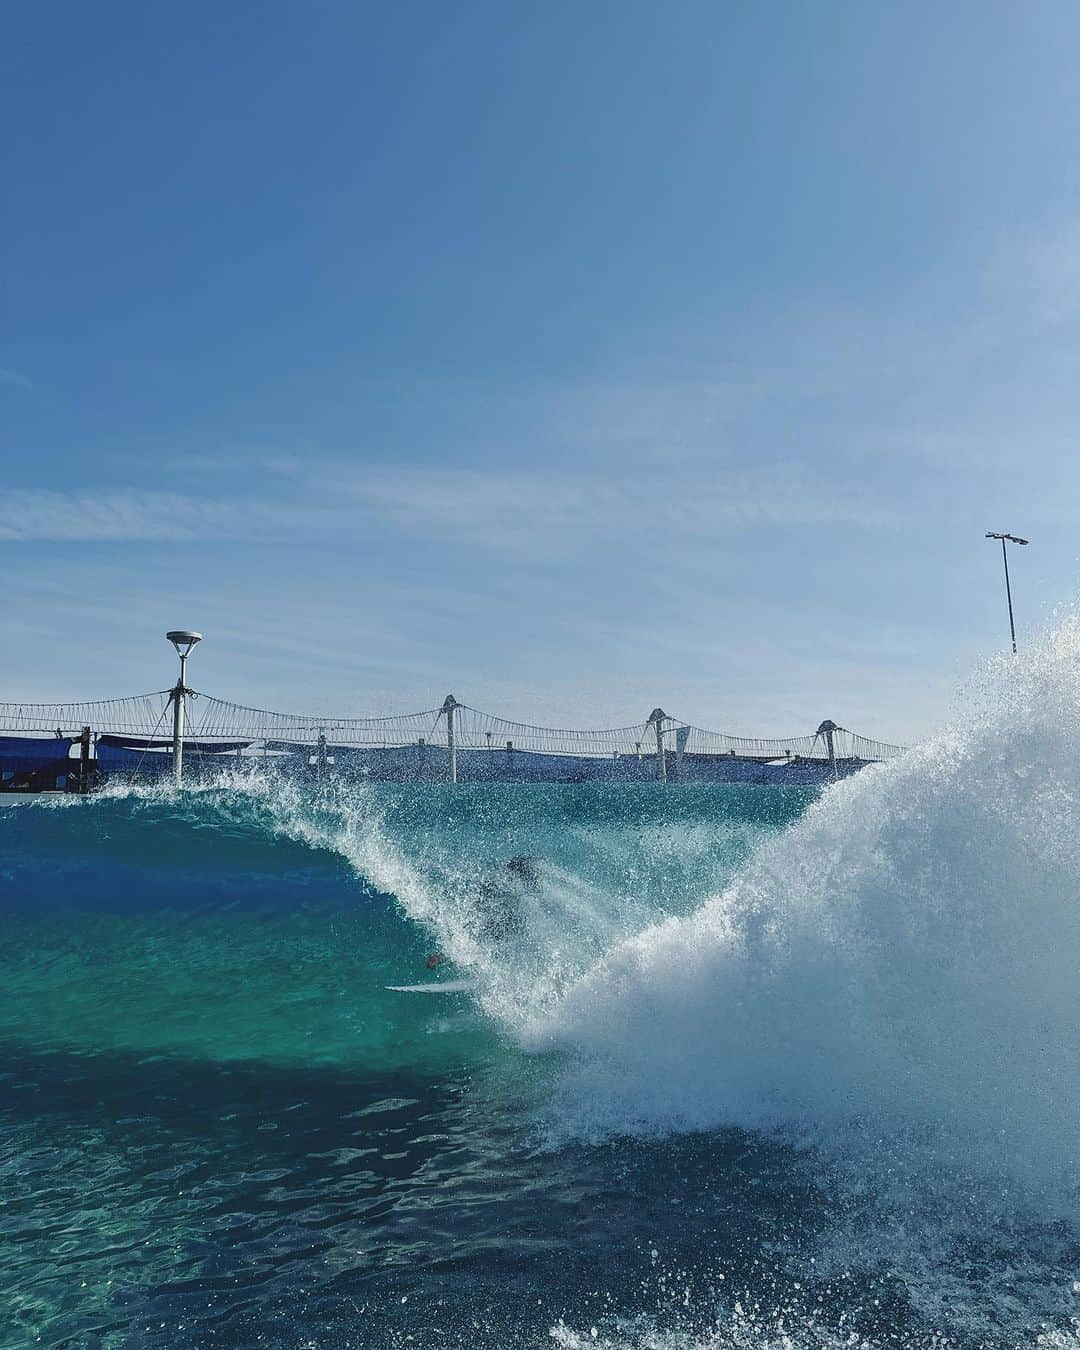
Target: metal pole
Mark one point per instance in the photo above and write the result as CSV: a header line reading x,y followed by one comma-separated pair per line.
x,y
1006,540
449,708
84,760
657,718
178,696
1008,595
827,729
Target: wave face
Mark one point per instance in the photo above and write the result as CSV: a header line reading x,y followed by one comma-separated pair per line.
x,y
178,901
745,1067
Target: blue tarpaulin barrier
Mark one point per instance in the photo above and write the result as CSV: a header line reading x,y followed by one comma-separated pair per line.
x,y
126,754
40,758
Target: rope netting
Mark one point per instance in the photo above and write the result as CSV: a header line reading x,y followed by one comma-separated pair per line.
x,y
846,745
702,742
850,745
479,730
136,715
211,719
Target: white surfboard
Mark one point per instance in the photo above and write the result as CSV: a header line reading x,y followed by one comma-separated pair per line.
x,y
436,987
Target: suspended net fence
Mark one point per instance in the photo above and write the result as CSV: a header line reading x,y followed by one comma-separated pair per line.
x,y
702,742
483,731
846,745
850,745
212,721
136,715
212,718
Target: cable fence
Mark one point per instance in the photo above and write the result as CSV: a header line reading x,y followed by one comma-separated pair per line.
x,y
219,722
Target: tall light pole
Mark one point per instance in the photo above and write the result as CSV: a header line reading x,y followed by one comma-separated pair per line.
x,y
1007,539
183,641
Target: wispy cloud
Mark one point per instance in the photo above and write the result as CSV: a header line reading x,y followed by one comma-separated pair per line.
x,y
134,516
502,510
15,377
510,506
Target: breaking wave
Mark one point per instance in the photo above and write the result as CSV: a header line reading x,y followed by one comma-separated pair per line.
x,y
907,952
882,980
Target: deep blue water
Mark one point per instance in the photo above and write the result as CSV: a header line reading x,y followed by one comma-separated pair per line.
x,y
644,1125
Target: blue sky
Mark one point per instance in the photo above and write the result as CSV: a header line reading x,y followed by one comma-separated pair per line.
x,y
575,358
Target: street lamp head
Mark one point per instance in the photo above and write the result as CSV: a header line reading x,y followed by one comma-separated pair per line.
x,y
183,640
1012,538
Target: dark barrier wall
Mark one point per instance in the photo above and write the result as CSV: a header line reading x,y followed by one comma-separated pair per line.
x,y
35,763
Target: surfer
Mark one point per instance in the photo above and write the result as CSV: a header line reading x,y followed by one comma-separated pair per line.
x,y
500,895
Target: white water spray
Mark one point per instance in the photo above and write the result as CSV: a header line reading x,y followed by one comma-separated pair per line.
x,y
907,953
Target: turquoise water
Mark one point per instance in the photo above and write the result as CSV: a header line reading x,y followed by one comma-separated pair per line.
x,y
750,1068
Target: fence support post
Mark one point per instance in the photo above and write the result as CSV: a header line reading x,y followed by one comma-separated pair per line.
x,y
84,760
657,719
449,707
178,695
827,729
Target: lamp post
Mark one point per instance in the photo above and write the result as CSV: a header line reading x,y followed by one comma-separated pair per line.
x,y
183,641
1007,539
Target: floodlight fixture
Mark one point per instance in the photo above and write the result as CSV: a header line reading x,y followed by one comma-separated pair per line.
x,y
183,640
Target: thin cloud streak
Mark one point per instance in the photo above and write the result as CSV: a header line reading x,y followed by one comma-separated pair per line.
x,y
133,516
508,505
498,510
